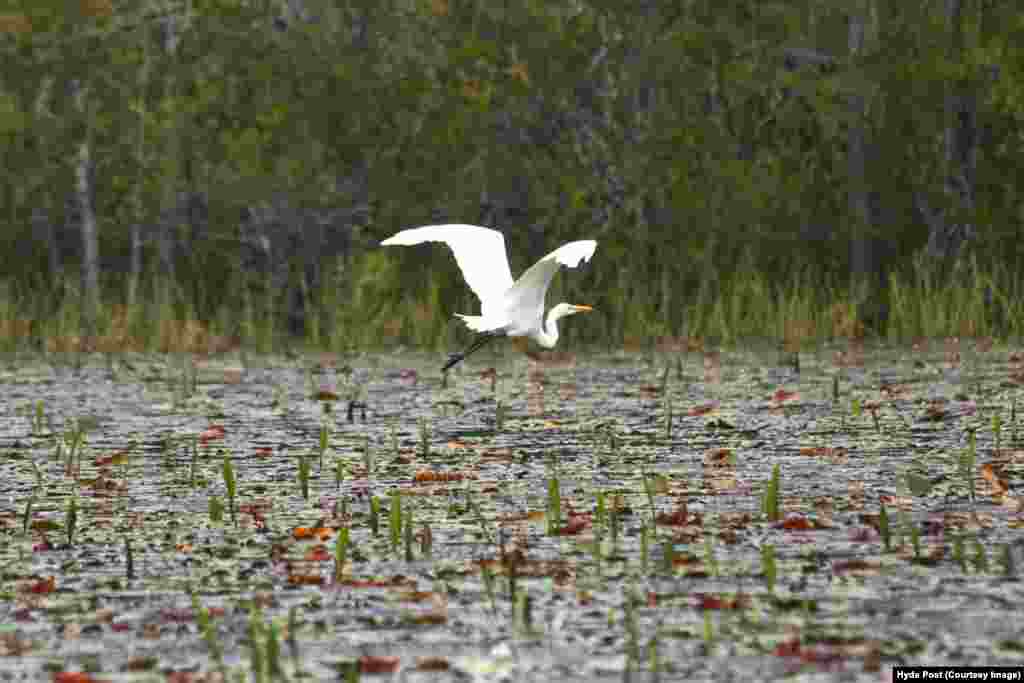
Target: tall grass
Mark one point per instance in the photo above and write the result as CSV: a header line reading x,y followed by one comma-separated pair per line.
x,y
969,301
362,304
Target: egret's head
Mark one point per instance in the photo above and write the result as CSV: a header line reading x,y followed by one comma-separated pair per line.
x,y
563,309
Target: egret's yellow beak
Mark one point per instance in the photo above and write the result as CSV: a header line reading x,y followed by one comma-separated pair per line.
x,y
581,309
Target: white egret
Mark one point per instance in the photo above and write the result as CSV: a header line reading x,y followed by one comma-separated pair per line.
x,y
507,308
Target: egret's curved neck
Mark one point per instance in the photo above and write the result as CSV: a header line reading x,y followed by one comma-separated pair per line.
x,y
548,335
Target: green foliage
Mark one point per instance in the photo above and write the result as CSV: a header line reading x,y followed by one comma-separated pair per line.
x,y
699,158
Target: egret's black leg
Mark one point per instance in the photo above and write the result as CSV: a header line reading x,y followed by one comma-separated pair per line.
x,y
481,340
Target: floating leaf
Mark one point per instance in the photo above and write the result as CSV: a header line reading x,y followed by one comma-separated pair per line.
x,y
918,485
43,586
704,409
212,433
378,665
319,532
783,396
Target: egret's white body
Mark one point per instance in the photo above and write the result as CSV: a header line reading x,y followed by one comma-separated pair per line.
x,y
513,308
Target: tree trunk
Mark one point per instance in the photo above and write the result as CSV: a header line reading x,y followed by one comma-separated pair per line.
x,y
857,194
949,232
170,218
90,232
42,224
135,273
135,267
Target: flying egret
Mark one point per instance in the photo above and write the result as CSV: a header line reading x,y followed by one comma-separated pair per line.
x,y
507,308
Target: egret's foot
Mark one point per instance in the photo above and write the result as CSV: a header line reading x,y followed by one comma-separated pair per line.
x,y
453,358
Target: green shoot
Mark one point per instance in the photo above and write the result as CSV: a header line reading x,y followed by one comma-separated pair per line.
x,y
632,630
374,515
980,557
768,566
487,574
554,516
71,518
644,547
709,554
129,559
273,653
408,535
230,484
668,556
325,440
613,442
650,491
668,416
424,438
395,519
709,628
194,463
39,419
997,427
967,461
1013,416
883,528
304,476
368,460
613,524
257,658
216,509
341,551
771,497
958,552
293,641
339,472
653,657
26,519
1009,568
209,633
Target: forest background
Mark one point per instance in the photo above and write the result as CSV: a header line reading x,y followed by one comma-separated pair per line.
x,y
198,173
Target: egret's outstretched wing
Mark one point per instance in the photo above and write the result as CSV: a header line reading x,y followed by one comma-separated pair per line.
x,y
524,302
480,253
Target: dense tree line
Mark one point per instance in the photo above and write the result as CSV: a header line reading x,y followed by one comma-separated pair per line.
x,y
152,148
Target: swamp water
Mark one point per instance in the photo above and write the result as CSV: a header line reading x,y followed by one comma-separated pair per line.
x,y
603,517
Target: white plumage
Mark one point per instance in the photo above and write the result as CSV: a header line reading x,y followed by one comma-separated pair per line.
x,y
507,307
